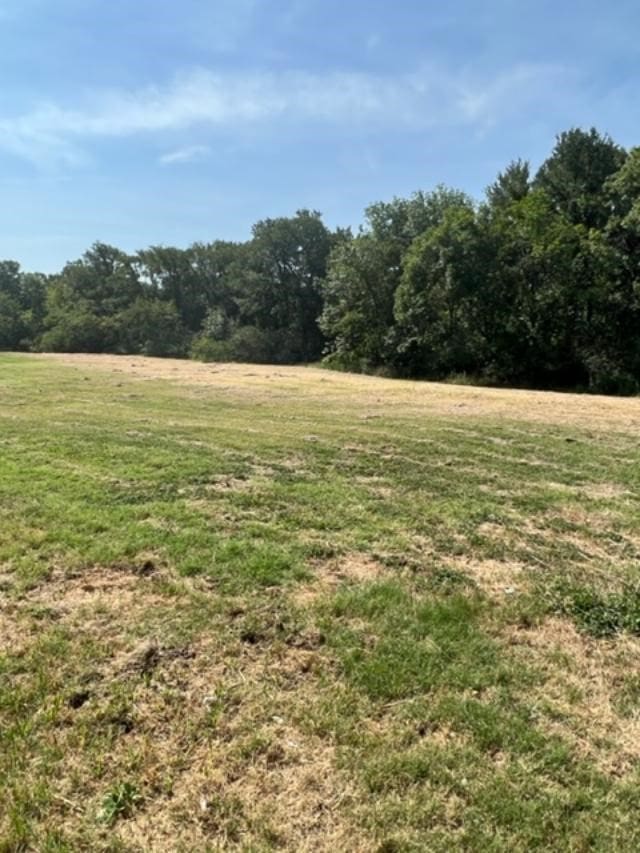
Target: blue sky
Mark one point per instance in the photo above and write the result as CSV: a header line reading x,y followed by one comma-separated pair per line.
x,y
140,122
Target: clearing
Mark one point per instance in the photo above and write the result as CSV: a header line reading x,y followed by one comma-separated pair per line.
x,y
274,608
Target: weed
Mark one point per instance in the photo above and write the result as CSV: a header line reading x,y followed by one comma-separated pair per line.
x,y
602,615
120,802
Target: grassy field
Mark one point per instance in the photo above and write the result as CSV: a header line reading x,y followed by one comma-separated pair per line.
x,y
252,608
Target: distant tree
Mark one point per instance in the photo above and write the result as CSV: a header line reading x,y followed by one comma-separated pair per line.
x,y
443,273
12,328
538,290
215,265
364,274
278,285
401,220
358,301
79,330
575,174
85,300
22,306
511,185
10,279
173,276
152,327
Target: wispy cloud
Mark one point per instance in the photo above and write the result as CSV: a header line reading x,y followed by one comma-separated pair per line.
x,y
429,97
188,154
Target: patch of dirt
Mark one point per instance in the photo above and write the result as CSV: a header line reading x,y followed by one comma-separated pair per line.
x,y
231,484
328,575
577,698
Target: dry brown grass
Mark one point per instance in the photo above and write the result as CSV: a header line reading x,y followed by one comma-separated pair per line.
x,y
576,698
329,574
211,730
253,774
496,578
374,395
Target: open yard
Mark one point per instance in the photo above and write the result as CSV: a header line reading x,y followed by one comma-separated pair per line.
x,y
272,608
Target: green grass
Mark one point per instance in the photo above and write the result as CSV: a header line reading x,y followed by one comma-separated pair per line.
x,y
265,615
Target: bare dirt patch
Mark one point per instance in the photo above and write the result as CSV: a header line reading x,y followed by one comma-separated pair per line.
x,y
577,699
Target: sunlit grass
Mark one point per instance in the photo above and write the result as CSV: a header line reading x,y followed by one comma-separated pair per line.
x,y
272,613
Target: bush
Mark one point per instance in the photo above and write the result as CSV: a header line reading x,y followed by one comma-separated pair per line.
x,y
246,343
205,348
79,332
152,327
607,376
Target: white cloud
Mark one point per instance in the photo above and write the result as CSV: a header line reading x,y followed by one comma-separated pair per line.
x,y
429,97
185,155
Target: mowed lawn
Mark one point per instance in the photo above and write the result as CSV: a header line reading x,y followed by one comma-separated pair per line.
x,y
273,608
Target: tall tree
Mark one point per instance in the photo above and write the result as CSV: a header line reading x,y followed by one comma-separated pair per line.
x,y
279,286
575,174
358,292
364,275
434,305
511,185
84,301
172,276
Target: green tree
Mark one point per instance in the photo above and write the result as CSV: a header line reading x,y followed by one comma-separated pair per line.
x,y
364,274
511,185
22,306
435,303
86,299
358,302
152,327
538,293
12,327
172,276
278,287
575,174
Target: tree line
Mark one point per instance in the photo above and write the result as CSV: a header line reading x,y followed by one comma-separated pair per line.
x,y
536,285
